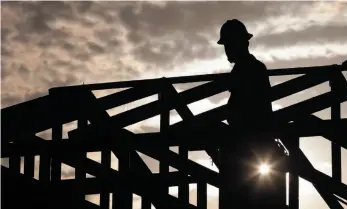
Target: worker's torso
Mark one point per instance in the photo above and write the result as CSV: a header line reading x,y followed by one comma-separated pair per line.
x,y
250,91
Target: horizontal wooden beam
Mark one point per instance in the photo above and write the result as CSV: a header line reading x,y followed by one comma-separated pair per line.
x,y
97,115
96,185
152,109
27,116
39,115
139,184
20,191
197,93
200,172
298,84
282,116
135,179
201,78
309,126
21,116
127,96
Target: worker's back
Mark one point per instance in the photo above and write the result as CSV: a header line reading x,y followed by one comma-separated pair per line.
x,y
250,93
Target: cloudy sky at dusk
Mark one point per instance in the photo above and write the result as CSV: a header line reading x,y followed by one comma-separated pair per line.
x,y
49,44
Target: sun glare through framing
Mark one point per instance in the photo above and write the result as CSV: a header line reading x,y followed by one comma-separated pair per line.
x,y
264,169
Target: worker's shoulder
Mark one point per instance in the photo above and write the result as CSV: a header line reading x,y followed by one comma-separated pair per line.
x,y
254,65
257,63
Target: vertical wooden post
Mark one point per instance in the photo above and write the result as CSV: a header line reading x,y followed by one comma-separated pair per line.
x,y
45,160
224,179
164,124
293,145
202,195
29,165
123,199
145,204
14,163
183,187
57,132
80,174
335,117
45,167
106,163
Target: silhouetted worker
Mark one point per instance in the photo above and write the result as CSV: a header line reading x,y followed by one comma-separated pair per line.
x,y
249,108
250,88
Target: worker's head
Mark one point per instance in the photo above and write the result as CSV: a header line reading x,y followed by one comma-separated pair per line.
x,y
234,36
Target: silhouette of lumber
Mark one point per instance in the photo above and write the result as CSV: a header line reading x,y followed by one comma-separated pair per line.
x,y
336,116
22,192
201,78
107,102
21,122
293,144
155,154
163,144
94,185
311,126
97,115
136,179
200,92
322,177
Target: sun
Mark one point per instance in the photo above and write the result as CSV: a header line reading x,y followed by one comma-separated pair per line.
x,y
264,169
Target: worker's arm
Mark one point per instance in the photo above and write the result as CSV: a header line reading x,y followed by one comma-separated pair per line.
x,y
258,77
233,79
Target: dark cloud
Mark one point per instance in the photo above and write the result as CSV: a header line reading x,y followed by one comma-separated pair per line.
x,y
306,62
9,98
128,17
83,6
189,19
320,34
13,98
37,16
96,48
5,34
46,44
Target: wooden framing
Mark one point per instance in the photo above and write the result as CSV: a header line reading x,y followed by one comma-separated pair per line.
x,y
106,134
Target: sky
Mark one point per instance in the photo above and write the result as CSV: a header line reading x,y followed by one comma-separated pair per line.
x,y
49,44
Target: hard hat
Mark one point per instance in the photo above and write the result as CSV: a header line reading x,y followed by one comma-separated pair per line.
x,y
233,30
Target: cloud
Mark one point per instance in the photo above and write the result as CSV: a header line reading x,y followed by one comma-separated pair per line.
x,y
66,43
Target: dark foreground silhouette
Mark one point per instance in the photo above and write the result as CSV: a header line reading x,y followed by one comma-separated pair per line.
x,y
237,149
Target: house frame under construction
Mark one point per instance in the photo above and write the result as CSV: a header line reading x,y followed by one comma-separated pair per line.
x,y
98,131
